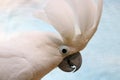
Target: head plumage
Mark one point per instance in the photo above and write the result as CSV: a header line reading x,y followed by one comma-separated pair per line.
x,y
75,20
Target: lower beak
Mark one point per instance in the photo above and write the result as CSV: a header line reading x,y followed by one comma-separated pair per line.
x,y
71,63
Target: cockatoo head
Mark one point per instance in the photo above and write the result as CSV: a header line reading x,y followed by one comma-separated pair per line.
x,y
76,21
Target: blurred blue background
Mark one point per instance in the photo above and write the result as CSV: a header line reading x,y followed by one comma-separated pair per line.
x,y
101,57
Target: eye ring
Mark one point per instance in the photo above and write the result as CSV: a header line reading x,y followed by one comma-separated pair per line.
x,y
64,50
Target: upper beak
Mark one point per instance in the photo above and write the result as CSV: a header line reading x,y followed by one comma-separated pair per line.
x,y
71,63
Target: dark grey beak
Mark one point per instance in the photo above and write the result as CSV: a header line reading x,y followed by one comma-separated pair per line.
x,y
71,63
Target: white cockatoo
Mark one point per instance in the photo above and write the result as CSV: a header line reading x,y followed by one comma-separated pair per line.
x,y
31,55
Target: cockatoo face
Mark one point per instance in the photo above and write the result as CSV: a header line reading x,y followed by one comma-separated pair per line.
x,y
71,62
76,21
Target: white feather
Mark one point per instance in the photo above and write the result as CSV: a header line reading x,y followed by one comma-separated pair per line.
x,y
60,15
75,20
31,55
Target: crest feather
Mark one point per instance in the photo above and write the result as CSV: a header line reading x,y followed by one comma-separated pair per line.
x,y
75,20
60,15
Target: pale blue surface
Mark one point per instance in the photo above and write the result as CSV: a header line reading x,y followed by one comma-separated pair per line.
x,y
101,58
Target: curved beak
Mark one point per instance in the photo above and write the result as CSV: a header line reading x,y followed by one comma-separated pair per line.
x,y
71,63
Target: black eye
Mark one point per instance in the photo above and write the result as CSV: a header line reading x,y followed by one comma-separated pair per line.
x,y
64,50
